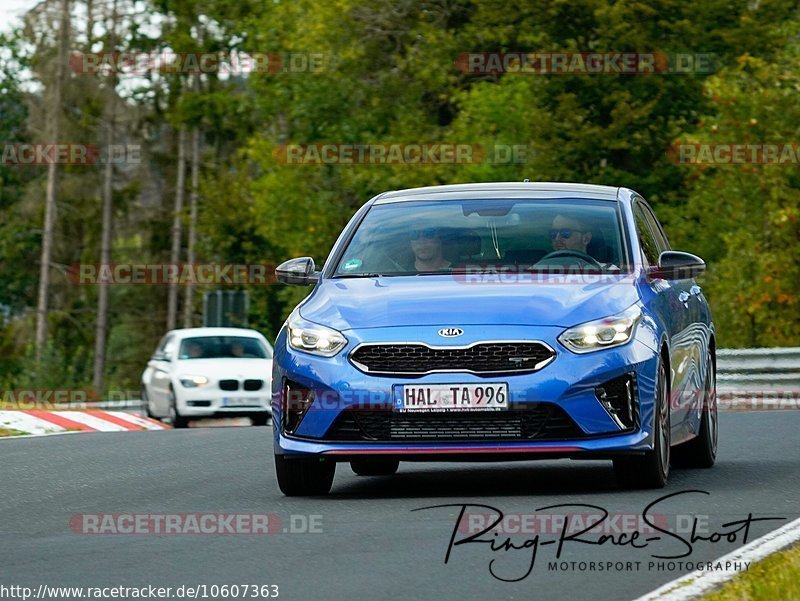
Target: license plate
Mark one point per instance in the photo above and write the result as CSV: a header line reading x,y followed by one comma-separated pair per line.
x,y
241,402
451,397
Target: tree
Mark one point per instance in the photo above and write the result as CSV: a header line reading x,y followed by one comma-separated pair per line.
x,y
194,194
101,330
177,227
50,200
744,218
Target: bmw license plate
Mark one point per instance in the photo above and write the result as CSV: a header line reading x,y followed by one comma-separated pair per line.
x,y
241,402
451,397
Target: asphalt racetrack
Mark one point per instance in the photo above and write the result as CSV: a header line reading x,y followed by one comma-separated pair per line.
x,y
365,541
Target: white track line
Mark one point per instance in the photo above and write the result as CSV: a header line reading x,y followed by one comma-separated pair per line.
x,y
701,582
40,435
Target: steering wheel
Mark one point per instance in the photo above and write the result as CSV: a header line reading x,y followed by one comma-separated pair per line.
x,y
575,254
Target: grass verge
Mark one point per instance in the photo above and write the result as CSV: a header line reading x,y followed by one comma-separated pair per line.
x,y
10,432
776,577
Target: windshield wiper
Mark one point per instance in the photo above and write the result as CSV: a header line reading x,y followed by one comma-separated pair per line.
x,y
362,275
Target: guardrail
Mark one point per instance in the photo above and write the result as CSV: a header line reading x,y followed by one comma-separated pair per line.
x,y
758,368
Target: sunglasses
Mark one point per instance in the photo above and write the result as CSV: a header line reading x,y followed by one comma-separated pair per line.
x,y
428,232
564,233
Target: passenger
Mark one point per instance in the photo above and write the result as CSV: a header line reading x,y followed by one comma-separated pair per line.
x,y
193,350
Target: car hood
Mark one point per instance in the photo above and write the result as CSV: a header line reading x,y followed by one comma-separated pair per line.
x,y
355,303
217,369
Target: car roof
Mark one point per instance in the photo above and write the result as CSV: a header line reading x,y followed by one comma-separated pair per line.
x,y
215,331
502,190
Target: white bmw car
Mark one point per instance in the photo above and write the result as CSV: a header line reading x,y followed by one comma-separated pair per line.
x,y
209,372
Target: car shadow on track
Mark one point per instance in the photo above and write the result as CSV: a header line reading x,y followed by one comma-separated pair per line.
x,y
524,479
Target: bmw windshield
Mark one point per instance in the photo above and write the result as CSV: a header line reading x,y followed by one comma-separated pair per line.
x,y
223,347
424,237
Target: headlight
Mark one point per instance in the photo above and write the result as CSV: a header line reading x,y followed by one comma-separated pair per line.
x,y
193,381
602,333
313,338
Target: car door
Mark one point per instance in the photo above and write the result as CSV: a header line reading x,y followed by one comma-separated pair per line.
x,y
694,302
670,303
161,368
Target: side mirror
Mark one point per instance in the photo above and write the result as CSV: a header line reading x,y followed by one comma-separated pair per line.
x,y
677,265
297,272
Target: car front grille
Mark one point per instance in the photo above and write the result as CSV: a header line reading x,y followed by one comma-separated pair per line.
x,y
253,384
481,358
536,421
249,385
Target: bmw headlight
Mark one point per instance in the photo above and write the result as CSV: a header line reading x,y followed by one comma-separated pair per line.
x,y
602,333
193,381
313,338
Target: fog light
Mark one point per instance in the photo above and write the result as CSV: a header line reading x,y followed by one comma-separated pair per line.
x,y
297,399
618,397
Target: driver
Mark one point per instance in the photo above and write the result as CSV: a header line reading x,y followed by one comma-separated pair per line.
x,y
570,233
426,244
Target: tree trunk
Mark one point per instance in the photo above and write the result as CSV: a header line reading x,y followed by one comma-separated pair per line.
x,y
90,24
50,199
175,256
193,210
101,328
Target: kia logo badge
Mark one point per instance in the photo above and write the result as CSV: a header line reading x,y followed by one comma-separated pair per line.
x,y
450,332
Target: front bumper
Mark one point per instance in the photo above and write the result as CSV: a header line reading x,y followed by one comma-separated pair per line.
x,y
201,402
568,382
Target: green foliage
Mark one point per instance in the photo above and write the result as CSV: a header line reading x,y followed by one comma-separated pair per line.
x,y
389,76
744,218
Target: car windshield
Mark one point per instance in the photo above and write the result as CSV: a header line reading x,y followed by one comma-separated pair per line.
x,y
223,347
423,237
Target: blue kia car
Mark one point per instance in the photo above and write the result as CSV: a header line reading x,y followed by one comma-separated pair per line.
x,y
503,321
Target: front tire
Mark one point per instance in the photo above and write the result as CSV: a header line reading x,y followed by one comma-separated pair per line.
x,y
177,420
304,476
148,409
701,451
260,419
651,470
374,467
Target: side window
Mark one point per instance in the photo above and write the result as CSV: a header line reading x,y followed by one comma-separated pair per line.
x,y
646,238
658,231
166,345
169,348
160,347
